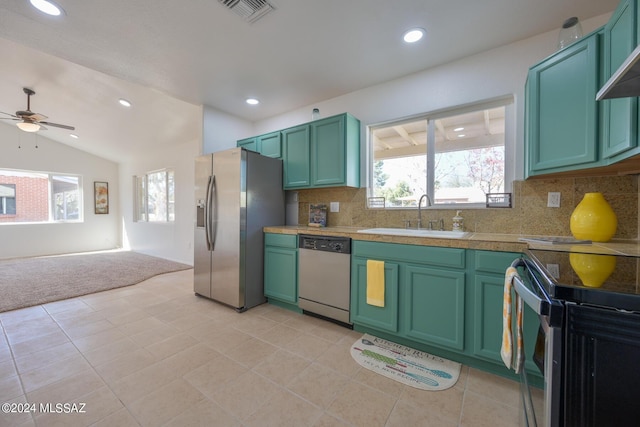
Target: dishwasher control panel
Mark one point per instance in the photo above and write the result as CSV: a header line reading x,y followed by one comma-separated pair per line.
x,y
340,245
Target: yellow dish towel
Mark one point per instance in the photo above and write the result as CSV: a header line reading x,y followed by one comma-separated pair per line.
x,y
375,283
506,351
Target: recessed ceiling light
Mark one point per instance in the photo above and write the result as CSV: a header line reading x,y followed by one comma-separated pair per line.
x,y
252,101
48,7
413,35
73,135
458,129
462,135
124,102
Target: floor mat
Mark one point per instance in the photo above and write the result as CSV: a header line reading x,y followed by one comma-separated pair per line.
x,y
406,365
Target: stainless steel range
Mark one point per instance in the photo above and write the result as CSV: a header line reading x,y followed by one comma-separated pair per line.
x,y
589,312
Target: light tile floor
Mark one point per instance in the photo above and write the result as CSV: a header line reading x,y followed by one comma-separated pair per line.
x,y
154,354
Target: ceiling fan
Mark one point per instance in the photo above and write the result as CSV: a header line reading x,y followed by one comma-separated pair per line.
x,y
29,121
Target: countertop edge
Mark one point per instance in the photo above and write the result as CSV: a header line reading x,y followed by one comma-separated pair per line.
x,y
480,241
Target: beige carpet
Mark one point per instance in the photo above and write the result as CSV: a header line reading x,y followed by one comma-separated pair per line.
x,y
25,282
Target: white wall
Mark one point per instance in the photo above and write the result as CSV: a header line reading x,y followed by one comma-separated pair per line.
x,y
495,73
170,240
95,232
222,130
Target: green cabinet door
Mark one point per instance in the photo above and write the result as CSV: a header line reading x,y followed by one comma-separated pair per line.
x,y
281,267
269,145
249,144
487,321
296,157
562,122
382,318
328,155
619,116
433,306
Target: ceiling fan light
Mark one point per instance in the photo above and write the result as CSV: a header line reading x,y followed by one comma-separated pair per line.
x,y
48,7
28,126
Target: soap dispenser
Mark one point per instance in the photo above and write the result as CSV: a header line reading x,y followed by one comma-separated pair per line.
x,y
458,222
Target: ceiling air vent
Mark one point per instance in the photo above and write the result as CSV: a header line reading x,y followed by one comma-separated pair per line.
x,y
249,10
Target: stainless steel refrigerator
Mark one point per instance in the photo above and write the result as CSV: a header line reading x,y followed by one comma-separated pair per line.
x,y
238,192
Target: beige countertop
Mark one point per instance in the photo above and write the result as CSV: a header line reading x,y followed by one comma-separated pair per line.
x,y
483,241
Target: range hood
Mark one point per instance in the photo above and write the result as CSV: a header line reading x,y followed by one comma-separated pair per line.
x,y
625,82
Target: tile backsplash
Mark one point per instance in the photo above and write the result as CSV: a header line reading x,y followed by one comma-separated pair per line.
x,y
529,214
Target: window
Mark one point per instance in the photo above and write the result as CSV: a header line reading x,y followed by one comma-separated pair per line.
x,y
7,199
454,157
155,196
39,197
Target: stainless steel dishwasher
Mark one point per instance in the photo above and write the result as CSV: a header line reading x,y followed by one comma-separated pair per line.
x,y
324,276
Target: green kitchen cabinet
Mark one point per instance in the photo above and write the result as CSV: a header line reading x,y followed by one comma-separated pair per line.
x,y
335,151
296,155
424,292
383,318
268,145
562,114
444,301
488,291
433,305
281,267
323,153
620,115
249,144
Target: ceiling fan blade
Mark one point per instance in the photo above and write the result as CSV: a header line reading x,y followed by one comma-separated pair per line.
x,y
11,118
9,114
37,117
56,125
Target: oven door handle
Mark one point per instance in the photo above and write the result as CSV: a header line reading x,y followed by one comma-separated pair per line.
x,y
551,309
531,299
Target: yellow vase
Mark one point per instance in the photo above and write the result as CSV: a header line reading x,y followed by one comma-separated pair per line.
x,y
592,269
593,219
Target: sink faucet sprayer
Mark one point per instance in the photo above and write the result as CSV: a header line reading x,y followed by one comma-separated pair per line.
x,y
429,203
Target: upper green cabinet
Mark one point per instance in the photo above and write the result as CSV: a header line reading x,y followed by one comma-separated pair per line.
x,y
566,129
268,145
249,144
323,153
562,114
619,116
296,157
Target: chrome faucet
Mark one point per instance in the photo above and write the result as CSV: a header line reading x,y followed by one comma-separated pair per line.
x,y
420,208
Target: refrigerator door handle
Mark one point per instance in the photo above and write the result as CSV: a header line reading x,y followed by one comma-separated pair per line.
x,y
207,215
211,214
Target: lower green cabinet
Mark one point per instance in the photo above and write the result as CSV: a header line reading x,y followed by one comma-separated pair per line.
x,y
281,267
383,318
445,301
433,305
488,291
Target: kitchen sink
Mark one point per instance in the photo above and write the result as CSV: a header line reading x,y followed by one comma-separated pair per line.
x,y
412,232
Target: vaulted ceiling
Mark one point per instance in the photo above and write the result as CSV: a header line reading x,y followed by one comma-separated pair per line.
x,y
170,57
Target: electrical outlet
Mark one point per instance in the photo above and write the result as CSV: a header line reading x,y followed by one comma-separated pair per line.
x,y
553,200
554,270
334,207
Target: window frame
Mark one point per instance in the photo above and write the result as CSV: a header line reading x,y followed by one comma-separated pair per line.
x,y
50,198
141,196
507,101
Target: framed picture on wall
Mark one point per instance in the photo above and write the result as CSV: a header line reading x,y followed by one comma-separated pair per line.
x,y
101,193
